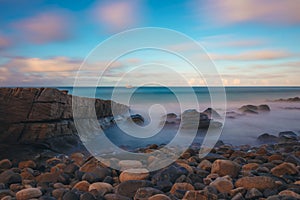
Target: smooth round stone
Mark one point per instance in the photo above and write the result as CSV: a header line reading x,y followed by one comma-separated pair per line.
x,y
284,168
289,193
129,164
9,177
115,197
223,185
134,174
28,193
82,186
59,193
205,165
78,158
253,194
225,167
70,196
27,164
5,164
181,187
159,197
250,166
87,196
258,182
101,187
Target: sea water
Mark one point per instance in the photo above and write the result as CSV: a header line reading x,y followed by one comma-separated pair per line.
x,y
154,102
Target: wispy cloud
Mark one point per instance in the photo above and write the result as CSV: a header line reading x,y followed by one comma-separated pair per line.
x,y
257,55
117,15
45,27
5,42
268,11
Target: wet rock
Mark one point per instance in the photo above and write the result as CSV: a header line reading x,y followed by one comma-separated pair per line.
x,y
9,177
145,193
28,193
5,164
253,194
129,188
134,174
258,182
284,168
222,184
225,167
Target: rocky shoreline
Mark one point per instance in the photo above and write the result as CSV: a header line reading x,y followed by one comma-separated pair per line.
x,y
270,171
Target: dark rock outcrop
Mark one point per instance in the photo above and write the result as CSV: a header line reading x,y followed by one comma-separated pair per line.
x,y
252,109
293,99
43,116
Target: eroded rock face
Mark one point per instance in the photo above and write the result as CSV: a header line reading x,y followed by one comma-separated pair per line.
x,y
44,116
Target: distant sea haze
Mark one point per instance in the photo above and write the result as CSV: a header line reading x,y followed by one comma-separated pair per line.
x,y
243,129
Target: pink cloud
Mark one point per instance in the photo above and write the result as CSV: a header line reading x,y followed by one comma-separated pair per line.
x,y
4,42
267,11
117,15
253,55
45,27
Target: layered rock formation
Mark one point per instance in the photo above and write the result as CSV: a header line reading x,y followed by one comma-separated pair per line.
x,y
43,116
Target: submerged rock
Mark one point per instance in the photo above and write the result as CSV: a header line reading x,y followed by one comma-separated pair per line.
x,y
138,119
192,119
267,138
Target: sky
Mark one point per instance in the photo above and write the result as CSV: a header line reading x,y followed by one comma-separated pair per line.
x,y
250,42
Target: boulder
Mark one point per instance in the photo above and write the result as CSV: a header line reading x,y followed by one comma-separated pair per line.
x,y
134,174
29,193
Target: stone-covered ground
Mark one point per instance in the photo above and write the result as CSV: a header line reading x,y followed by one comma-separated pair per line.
x,y
266,172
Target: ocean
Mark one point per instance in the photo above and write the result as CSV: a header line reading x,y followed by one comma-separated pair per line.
x,y
154,102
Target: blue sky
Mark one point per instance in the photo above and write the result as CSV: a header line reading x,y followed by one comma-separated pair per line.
x,y
251,42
